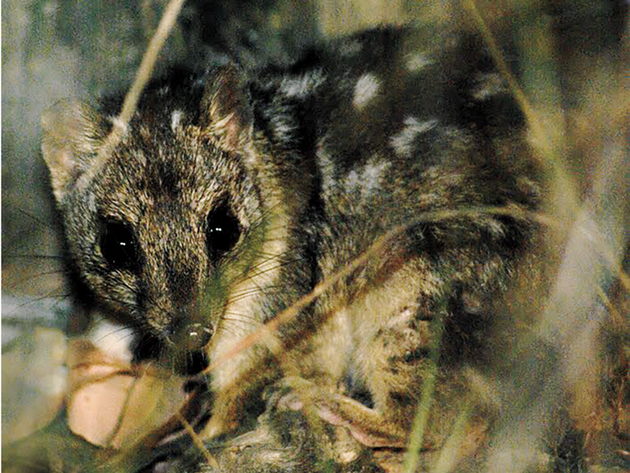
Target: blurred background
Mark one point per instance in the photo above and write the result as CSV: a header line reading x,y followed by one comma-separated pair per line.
x,y
54,49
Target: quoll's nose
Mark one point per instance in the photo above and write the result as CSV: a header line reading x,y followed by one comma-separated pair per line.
x,y
188,340
196,336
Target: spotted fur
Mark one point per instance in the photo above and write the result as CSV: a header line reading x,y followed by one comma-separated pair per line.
x,y
316,161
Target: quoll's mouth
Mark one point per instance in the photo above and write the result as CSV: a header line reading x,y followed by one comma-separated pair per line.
x,y
194,363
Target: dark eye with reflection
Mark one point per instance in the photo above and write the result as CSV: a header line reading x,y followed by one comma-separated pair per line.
x,y
119,245
222,231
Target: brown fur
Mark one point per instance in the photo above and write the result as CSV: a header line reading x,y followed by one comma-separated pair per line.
x,y
316,165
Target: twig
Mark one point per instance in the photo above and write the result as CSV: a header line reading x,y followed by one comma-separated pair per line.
x,y
143,75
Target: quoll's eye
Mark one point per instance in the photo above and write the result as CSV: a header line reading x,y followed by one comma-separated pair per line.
x,y
119,245
222,231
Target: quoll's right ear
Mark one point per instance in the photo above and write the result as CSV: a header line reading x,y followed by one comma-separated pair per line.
x,y
225,108
71,137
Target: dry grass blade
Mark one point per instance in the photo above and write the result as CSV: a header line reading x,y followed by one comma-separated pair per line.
x,y
198,442
573,313
424,406
546,137
133,96
450,453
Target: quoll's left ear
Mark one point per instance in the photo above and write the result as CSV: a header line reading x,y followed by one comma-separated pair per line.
x,y
226,109
72,134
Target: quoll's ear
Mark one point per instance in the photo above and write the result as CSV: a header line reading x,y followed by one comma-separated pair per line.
x,y
71,137
226,108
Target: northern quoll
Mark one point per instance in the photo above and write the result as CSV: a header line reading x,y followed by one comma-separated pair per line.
x,y
233,194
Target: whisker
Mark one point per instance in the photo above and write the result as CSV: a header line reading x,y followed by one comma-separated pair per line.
x,y
255,272
34,277
267,290
259,272
32,300
20,322
267,257
266,214
24,256
226,329
240,316
117,330
36,219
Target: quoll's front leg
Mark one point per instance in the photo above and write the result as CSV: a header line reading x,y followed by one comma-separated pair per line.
x,y
398,367
395,359
287,438
397,330
388,353
235,384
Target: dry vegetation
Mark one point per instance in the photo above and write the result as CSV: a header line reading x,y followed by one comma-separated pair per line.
x,y
562,388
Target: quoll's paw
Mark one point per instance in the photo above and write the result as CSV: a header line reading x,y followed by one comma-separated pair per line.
x,y
368,426
288,437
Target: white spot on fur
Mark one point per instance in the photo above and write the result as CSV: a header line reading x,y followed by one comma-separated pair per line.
x,y
302,86
348,456
272,457
489,85
282,128
350,48
417,61
325,166
368,178
119,124
352,180
407,313
403,141
367,87
114,340
139,157
176,118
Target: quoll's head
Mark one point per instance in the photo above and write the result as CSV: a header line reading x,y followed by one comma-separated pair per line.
x,y
166,224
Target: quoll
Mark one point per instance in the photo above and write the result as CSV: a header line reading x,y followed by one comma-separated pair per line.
x,y
234,193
